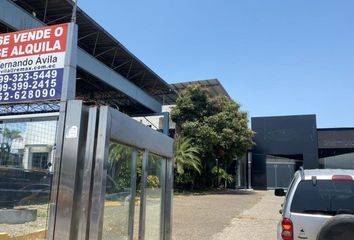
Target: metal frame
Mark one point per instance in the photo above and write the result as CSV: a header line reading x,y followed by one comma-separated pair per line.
x,y
77,204
24,108
68,93
142,215
69,196
132,200
65,213
114,125
37,117
40,117
99,180
78,185
87,175
168,191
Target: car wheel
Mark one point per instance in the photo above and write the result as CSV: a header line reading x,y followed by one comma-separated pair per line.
x,y
339,227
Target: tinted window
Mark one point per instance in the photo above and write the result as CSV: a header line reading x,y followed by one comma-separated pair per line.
x,y
324,197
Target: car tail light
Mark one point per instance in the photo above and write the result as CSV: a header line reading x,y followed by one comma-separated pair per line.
x,y
287,229
342,177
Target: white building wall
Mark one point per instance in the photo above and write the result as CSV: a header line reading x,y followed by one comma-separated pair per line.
x,y
35,137
156,122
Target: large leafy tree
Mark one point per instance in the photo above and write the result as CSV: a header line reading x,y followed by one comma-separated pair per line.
x,y
216,126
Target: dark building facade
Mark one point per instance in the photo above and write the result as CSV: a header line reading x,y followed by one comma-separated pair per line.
x,y
336,148
284,143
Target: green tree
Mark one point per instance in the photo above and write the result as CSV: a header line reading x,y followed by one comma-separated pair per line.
x,y
216,126
186,156
222,175
8,136
187,163
119,167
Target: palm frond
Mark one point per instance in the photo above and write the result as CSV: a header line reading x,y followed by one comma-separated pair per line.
x,y
186,156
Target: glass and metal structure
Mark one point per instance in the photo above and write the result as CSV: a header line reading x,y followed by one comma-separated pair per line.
x,y
109,177
26,172
73,169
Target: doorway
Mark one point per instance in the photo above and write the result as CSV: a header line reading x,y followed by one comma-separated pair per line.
x,y
281,170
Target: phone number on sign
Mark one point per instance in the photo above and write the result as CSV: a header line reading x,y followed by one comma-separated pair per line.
x,y
27,95
18,86
35,85
23,77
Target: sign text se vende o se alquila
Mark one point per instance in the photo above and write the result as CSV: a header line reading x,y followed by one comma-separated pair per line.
x,y
32,64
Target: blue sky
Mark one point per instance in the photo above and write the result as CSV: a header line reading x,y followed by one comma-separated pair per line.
x,y
275,57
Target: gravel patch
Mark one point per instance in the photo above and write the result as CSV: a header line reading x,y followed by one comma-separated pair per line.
x,y
257,223
29,227
201,216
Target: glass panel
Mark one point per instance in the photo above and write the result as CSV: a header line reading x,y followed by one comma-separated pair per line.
x,y
285,173
280,170
153,197
271,175
118,192
327,197
343,161
26,170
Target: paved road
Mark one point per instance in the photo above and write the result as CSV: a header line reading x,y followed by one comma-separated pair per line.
x,y
241,215
201,216
256,223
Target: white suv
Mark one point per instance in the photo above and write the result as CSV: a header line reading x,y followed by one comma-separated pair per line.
x,y
319,205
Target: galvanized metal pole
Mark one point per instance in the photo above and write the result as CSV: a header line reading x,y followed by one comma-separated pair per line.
x,y
74,13
134,167
68,93
144,174
168,193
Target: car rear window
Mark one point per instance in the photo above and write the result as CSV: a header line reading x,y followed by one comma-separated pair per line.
x,y
327,197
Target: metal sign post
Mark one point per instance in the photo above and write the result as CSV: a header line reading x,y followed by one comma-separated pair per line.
x,y
67,93
74,14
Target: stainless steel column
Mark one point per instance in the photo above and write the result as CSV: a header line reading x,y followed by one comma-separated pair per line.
x,y
100,175
70,181
168,193
87,175
68,93
144,174
134,166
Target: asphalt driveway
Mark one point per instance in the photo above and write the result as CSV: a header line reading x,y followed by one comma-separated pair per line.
x,y
247,215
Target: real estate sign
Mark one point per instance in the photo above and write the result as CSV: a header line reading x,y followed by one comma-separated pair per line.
x,y
32,64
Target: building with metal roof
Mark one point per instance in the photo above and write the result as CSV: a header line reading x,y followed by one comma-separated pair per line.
x,y
107,72
213,87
